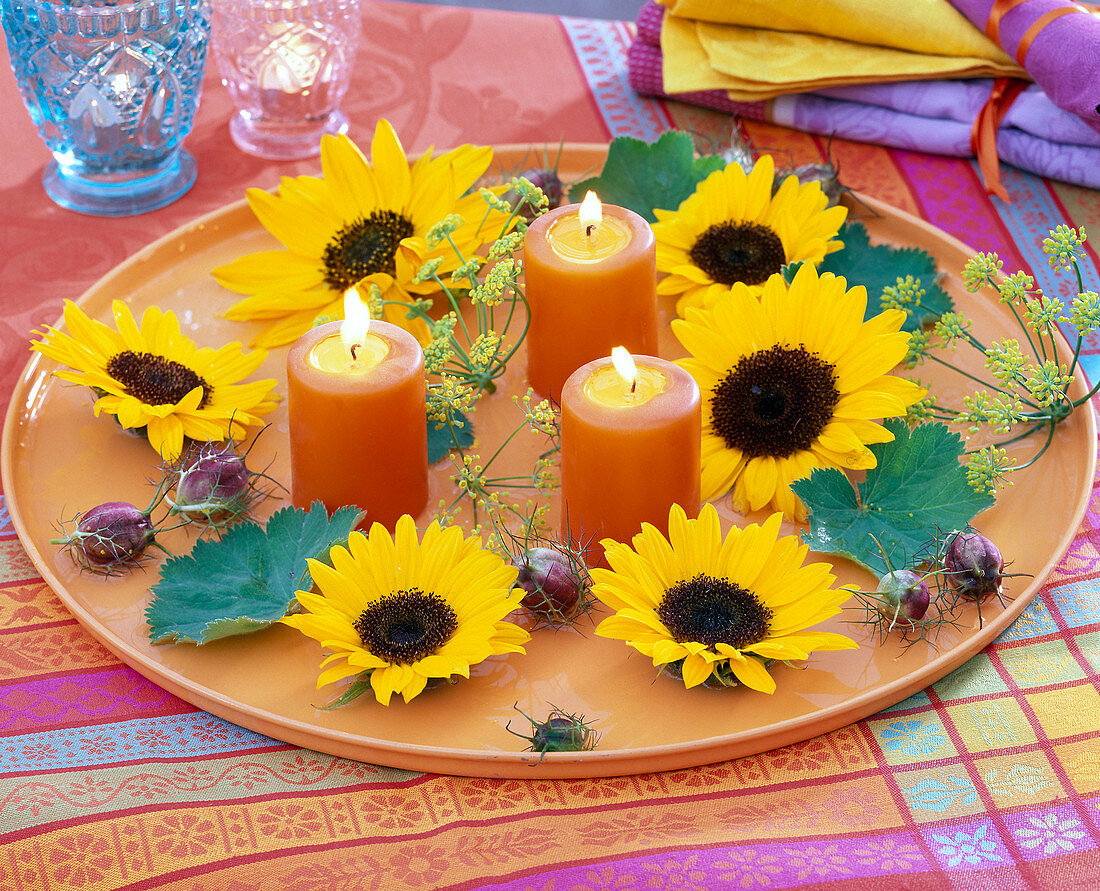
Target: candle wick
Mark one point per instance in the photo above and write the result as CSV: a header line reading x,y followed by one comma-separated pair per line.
x,y
588,229
354,348
633,386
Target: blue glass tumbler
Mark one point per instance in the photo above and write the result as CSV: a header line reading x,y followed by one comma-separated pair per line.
x,y
113,88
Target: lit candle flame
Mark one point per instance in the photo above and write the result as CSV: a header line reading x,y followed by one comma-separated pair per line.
x,y
624,364
590,213
356,321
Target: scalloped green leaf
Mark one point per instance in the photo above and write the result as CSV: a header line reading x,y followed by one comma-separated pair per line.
x,y
918,489
246,580
880,266
643,176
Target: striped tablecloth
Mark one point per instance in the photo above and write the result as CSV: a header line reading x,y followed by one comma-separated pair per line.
x,y
989,779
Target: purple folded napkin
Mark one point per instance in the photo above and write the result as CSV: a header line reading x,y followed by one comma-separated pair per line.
x,y
931,116
1057,43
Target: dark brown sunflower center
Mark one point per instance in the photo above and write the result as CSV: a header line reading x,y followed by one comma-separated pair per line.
x,y
363,247
155,380
774,402
406,626
710,611
738,252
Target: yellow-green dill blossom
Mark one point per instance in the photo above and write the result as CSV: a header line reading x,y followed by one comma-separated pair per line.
x,y
1085,312
1018,288
981,270
494,201
497,280
924,409
1005,412
529,192
1047,382
428,270
484,349
978,411
906,295
444,515
448,396
919,342
470,477
1064,246
441,349
443,229
505,246
951,328
469,269
1044,312
988,468
375,304
1024,384
1006,362
540,416
544,475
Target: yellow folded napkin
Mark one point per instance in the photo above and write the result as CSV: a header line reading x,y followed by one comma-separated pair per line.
x,y
758,49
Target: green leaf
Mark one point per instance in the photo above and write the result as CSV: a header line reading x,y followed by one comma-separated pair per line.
x,y
246,580
880,266
643,176
443,438
358,687
918,489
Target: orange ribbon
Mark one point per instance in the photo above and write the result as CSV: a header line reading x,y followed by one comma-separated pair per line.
x,y
1001,8
983,135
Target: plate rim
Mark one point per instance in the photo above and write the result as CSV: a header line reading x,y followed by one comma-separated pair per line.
x,y
501,763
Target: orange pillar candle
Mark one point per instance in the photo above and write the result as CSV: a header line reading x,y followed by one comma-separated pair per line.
x,y
591,282
358,426
630,447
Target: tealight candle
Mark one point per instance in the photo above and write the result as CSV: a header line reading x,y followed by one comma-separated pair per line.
x,y
358,423
631,431
591,282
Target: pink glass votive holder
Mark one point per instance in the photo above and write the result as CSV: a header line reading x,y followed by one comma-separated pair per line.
x,y
287,65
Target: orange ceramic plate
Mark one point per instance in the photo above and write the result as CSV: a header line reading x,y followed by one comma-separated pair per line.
x,y
58,459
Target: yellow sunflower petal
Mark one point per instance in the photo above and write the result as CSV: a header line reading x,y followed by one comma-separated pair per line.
x,y
349,181
696,669
394,179
284,220
752,673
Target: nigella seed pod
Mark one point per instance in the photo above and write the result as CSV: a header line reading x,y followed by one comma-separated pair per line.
x,y
824,174
560,732
553,585
213,486
903,596
974,565
110,536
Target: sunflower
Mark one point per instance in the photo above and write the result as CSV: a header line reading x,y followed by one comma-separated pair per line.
x,y
733,230
712,607
361,223
405,612
153,377
791,381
